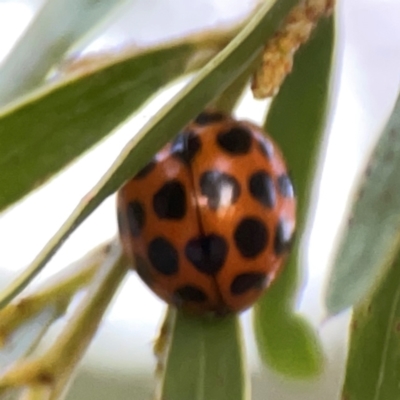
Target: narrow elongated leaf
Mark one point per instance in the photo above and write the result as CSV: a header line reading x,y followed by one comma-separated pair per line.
x,y
230,97
48,130
212,80
373,368
56,27
371,237
296,120
205,360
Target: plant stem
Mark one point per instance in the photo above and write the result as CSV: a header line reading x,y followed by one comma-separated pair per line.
x,y
163,341
58,291
55,368
231,96
36,392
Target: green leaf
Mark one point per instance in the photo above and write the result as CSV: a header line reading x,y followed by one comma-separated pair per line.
x,y
48,130
371,237
231,96
210,82
56,27
373,368
297,120
287,343
205,360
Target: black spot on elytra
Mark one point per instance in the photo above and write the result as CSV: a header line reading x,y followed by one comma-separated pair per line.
x,y
146,170
220,189
207,253
247,281
188,293
261,187
136,217
283,237
209,117
143,269
170,201
285,186
251,237
163,256
186,145
266,148
237,140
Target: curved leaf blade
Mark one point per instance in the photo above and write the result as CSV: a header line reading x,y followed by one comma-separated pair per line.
x,y
51,128
371,237
211,81
373,370
56,27
298,125
208,354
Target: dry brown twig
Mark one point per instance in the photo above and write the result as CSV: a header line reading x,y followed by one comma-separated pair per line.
x,y
57,291
45,377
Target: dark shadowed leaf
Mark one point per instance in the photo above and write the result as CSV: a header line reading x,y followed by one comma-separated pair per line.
x,y
373,365
297,120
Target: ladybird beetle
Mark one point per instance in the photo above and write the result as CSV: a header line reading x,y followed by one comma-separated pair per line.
x,y
209,220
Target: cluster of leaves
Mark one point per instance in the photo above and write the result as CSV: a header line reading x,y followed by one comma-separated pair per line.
x,y
43,120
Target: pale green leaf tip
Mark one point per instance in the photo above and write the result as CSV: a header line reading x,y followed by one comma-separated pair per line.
x,y
342,295
334,301
298,354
